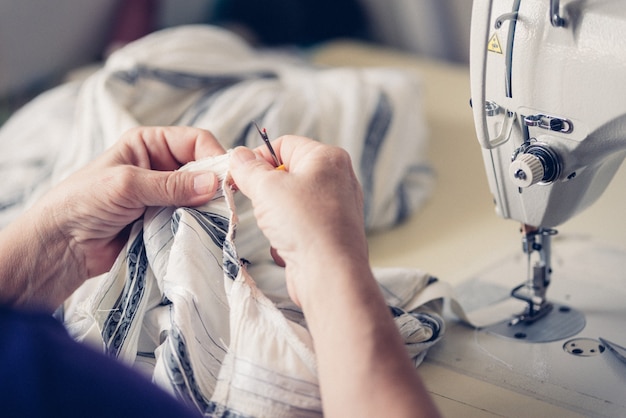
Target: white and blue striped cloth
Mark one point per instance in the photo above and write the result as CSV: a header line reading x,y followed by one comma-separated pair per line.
x,y
177,304
181,305
207,77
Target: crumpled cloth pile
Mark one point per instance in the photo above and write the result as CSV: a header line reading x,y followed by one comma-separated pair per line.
x,y
207,77
195,300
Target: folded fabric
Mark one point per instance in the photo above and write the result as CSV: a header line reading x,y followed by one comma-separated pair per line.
x,y
196,302
207,77
179,303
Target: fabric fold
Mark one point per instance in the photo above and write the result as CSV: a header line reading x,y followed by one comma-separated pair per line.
x,y
185,305
207,77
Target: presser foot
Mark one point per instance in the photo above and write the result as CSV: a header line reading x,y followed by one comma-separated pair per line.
x,y
536,309
555,323
541,321
529,316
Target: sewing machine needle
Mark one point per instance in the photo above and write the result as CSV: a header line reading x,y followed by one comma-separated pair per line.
x,y
527,230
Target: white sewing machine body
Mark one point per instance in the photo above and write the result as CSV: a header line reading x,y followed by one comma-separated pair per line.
x,y
551,97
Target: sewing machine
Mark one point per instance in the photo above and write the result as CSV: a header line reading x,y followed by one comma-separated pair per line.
x,y
473,372
548,90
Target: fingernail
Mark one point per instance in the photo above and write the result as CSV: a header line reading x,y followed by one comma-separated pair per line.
x,y
205,183
241,155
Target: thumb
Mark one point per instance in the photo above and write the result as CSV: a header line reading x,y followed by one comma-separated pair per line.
x,y
246,168
174,188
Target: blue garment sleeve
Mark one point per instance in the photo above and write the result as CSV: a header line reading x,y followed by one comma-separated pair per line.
x,y
45,373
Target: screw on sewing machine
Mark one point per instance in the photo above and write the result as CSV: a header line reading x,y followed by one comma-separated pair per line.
x,y
552,123
534,162
491,108
502,18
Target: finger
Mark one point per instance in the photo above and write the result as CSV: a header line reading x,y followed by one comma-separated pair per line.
x,y
291,150
282,151
277,258
205,143
167,148
249,170
168,188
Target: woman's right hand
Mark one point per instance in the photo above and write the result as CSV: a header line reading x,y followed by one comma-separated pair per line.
x,y
311,212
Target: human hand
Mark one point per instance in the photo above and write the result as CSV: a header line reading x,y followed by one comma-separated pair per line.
x,y
312,213
94,205
77,230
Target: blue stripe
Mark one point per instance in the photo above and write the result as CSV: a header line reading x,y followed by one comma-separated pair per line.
x,y
185,80
374,139
405,207
117,325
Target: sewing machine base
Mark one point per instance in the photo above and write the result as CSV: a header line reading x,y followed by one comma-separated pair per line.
x,y
589,276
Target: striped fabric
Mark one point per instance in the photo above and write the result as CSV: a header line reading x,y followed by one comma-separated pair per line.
x,y
206,77
181,304
177,304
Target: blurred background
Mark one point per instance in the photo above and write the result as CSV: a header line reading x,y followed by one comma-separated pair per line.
x,y
41,40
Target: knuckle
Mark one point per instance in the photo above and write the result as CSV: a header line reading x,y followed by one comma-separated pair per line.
x,y
338,156
125,177
174,186
122,183
336,160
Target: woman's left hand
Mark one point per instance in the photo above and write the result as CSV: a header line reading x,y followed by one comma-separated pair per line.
x,y
78,228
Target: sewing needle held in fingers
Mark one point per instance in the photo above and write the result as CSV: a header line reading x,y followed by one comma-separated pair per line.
x,y
263,133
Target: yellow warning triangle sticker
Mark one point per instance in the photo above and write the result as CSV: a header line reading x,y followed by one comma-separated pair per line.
x,y
494,44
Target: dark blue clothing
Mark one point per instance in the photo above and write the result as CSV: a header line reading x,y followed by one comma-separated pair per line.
x,y
45,373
